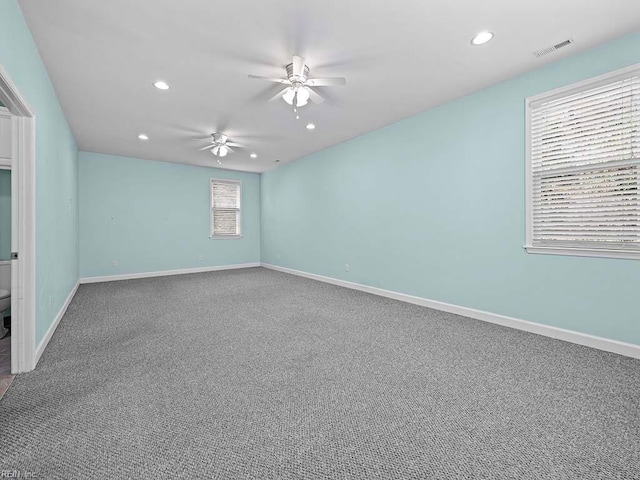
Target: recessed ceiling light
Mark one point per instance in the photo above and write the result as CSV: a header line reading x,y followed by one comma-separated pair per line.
x,y
142,136
311,126
481,38
254,155
160,85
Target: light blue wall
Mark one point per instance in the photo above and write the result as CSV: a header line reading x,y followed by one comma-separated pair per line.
x,y
433,206
5,214
56,169
151,216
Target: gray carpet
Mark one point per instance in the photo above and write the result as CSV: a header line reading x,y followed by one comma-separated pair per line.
x,y
258,374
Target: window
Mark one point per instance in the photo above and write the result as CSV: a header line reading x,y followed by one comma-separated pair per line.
x,y
583,168
225,208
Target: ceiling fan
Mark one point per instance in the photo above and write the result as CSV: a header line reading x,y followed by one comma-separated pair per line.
x,y
220,145
298,90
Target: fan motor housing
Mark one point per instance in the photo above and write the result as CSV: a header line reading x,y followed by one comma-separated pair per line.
x,y
219,138
295,78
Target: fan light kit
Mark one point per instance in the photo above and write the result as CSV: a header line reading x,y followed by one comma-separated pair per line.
x,y
298,90
481,38
311,126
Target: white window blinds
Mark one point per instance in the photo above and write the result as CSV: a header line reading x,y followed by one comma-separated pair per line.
x,y
225,208
585,167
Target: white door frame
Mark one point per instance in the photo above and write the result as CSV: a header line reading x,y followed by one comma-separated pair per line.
x,y
23,226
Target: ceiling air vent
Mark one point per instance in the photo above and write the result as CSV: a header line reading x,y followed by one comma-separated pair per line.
x,y
553,48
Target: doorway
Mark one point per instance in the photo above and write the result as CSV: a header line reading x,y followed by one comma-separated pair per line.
x,y
5,250
20,142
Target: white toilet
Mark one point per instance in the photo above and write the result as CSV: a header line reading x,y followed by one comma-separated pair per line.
x,y
5,300
5,292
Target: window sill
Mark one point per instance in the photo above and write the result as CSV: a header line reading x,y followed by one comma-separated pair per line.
x,y
225,237
584,252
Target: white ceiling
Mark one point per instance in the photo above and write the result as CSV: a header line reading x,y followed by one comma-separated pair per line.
x,y
399,58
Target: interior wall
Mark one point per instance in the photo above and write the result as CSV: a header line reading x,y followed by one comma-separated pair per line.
x,y
56,169
152,216
5,214
433,206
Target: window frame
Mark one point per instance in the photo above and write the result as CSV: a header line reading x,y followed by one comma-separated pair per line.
x,y
574,88
212,234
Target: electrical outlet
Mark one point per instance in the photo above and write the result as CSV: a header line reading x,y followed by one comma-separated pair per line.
x,y
346,267
201,257
114,263
278,256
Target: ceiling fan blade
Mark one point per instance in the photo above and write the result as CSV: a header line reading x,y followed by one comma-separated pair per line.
x,y
314,96
229,149
208,147
233,144
325,82
298,65
279,94
251,138
270,79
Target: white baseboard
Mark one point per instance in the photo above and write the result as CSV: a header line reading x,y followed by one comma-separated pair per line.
x,y
52,328
614,346
164,273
